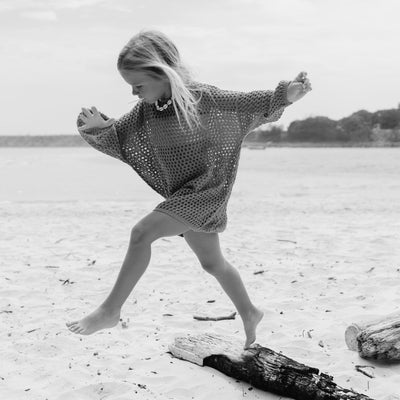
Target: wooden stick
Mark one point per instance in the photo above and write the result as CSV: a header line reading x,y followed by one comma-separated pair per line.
x,y
359,369
231,316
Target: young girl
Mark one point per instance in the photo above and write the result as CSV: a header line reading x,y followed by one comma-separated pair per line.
x,y
183,138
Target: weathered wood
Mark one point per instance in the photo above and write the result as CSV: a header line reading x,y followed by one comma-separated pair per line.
x,y
354,329
261,367
377,339
205,318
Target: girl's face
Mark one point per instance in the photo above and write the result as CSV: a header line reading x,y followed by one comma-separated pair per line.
x,y
145,86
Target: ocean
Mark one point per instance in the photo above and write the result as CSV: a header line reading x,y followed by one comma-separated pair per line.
x,y
76,173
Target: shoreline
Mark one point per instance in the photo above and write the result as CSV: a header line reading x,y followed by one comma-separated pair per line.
x,y
249,145
261,145
21,141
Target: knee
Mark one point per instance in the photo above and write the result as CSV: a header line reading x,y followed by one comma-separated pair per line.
x,y
140,235
214,267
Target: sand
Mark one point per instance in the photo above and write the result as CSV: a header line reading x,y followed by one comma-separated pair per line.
x,y
322,224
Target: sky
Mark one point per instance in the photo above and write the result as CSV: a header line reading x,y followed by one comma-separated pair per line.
x,y
57,56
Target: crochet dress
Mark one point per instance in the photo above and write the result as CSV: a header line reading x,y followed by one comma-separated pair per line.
x,y
194,170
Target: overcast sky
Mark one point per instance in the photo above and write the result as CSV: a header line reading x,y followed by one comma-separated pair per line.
x,y
59,55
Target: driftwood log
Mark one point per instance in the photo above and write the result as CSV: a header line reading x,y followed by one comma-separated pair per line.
x,y
261,367
376,339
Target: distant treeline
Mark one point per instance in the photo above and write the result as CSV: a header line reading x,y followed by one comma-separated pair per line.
x,y
362,127
381,127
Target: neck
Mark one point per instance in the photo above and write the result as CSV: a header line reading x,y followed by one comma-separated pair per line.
x,y
167,93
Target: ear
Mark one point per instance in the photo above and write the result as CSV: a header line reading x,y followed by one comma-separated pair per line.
x,y
164,78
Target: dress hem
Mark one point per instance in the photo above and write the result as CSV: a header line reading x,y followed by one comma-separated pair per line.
x,y
180,219
175,216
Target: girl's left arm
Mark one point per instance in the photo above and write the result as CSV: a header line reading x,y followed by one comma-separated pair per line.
x,y
261,107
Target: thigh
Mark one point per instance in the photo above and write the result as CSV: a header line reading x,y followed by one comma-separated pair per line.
x,y
157,225
206,247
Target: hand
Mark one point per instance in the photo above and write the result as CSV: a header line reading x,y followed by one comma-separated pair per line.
x,y
298,87
92,119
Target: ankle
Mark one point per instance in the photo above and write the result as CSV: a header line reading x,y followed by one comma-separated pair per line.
x,y
110,309
251,312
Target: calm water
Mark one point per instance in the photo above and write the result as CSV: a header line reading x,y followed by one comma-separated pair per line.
x,y
67,174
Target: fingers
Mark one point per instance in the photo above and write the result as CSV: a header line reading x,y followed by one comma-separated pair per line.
x,y
95,111
92,118
304,81
109,122
307,85
90,112
301,77
86,112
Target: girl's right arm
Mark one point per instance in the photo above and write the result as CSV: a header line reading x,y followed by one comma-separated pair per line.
x,y
103,133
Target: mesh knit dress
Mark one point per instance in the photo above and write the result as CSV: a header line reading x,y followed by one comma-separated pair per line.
x,y
194,170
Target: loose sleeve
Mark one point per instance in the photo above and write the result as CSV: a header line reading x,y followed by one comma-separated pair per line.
x,y
110,140
260,107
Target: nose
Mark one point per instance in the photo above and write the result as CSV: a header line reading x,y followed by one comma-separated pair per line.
x,y
135,92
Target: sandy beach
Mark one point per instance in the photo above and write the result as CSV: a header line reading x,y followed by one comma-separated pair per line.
x,y
320,227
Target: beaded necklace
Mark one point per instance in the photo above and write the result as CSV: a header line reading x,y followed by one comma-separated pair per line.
x,y
164,107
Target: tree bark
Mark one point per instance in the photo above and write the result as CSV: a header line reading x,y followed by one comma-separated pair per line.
x,y
377,339
261,367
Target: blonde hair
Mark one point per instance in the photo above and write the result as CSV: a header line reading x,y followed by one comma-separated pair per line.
x,y
154,53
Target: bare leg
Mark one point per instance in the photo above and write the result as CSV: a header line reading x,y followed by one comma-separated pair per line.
x,y
150,228
206,247
233,286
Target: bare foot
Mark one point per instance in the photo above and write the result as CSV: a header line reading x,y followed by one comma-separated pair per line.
x,y
98,319
250,325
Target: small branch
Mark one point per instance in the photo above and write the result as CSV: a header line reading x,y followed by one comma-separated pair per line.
x,y
285,240
32,330
199,318
258,272
359,369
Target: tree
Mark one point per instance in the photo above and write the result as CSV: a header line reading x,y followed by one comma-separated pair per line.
x,y
365,116
266,133
355,128
272,134
387,119
314,129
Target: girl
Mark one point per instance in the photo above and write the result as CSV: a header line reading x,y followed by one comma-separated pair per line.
x,y
183,138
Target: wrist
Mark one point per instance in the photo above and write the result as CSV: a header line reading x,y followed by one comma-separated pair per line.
x,y
287,94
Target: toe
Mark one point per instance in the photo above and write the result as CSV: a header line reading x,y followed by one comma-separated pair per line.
x,y
75,328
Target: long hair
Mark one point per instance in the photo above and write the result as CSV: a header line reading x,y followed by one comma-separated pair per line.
x,y
152,52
